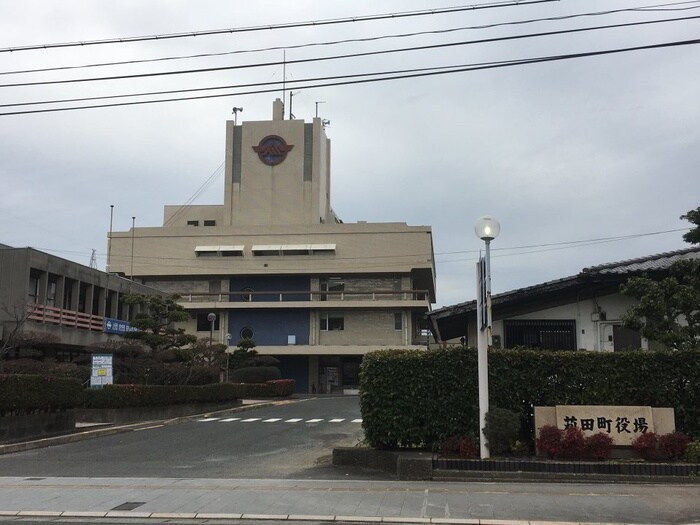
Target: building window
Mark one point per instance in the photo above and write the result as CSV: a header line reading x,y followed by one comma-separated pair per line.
x,y
545,334
331,284
209,223
192,223
332,322
33,290
247,333
203,324
398,321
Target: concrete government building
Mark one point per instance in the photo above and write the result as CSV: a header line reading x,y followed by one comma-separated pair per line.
x,y
276,265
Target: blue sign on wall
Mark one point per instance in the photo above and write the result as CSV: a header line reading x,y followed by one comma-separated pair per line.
x,y
115,326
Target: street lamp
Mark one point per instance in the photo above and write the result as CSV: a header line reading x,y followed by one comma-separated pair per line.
x,y
487,229
211,318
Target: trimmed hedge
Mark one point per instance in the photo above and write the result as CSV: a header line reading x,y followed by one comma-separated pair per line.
x,y
420,398
28,394
255,374
118,396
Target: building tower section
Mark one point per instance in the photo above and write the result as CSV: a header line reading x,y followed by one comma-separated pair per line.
x,y
275,264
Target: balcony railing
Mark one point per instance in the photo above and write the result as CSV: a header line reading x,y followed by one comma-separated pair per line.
x,y
244,296
62,317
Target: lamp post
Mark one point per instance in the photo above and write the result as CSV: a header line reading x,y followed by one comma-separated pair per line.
x,y
486,229
211,318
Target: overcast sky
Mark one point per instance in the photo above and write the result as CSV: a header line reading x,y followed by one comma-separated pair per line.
x,y
591,148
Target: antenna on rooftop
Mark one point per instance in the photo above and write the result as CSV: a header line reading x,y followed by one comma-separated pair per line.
x,y
291,94
236,111
93,259
317,103
284,77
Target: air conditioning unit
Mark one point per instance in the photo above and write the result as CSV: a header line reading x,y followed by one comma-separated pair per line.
x,y
291,339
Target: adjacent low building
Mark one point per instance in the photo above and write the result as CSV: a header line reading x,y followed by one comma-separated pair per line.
x,y
61,304
276,265
580,312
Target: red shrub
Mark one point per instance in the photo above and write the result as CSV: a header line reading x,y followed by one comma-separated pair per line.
x,y
450,447
550,440
673,445
468,449
573,444
463,447
647,446
599,446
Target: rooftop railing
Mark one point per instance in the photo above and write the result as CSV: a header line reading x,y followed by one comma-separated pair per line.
x,y
279,296
62,317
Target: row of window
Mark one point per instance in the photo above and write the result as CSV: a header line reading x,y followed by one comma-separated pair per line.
x,y
264,249
328,322
205,223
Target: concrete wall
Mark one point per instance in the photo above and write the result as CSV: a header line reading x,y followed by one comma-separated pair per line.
x,y
366,327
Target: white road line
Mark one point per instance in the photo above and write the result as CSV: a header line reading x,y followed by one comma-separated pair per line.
x,y
272,420
357,420
313,420
207,419
293,420
336,420
250,419
229,419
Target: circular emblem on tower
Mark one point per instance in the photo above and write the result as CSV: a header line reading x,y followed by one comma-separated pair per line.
x,y
272,150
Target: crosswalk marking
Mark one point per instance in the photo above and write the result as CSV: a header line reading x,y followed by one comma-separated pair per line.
x,y
277,419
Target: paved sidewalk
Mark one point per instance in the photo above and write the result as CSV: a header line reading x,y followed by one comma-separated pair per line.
x,y
319,501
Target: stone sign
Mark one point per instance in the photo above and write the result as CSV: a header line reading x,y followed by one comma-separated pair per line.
x,y
622,423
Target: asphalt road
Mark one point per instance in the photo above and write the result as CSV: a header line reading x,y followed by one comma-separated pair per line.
x,y
275,461
292,440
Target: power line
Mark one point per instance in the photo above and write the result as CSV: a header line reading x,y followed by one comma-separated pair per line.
x,y
649,8
459,69
614,238
541,248
345,56
316,23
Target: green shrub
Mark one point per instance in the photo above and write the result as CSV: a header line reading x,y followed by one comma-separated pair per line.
x,y
121,396
419,398
501,430
254,374
26,394
692,452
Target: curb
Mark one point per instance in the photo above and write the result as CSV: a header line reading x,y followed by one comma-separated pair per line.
x,y
284,517
132,427
419,466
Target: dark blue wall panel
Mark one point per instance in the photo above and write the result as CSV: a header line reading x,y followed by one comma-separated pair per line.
x,y
297,368
270,327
